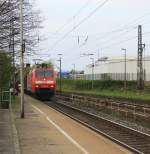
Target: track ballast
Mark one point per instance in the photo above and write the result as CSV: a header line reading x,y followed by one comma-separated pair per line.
x,y
134,140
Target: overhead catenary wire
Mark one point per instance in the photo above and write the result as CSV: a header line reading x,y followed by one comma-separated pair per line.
x,y
114,44
81,22
126,26
122,29
125,29
126,40
113,36
74,16
126,32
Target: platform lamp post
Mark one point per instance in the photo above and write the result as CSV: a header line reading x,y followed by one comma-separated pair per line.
x,y
60,72
74,71
125,67
92,72
21,59
74,74
91,54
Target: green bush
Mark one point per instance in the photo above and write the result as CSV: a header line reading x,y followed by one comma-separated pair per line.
x,y
98,84
6,69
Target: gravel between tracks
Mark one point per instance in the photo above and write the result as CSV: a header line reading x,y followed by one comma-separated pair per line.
x,y
127,137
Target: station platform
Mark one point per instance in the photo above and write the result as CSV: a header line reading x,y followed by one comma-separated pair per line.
x,y
6,133
46,131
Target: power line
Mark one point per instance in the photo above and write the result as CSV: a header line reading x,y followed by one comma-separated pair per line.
x,y
125,28
81,22
113,37
103,35
126,32
126,40
71,19
135,21
122,30
117,43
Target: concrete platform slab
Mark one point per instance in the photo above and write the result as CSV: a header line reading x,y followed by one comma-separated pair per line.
x,y
37,136
46,131
6,135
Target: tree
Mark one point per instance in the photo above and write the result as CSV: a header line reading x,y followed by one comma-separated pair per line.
x,y
6,69
10,26
48,64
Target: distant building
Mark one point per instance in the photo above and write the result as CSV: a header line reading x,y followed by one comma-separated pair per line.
x,y
114,69
64,74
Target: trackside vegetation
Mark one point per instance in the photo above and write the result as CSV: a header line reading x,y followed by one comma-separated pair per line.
x,y
6,69
109,88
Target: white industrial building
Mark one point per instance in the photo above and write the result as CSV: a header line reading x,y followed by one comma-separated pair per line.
x,y
114,69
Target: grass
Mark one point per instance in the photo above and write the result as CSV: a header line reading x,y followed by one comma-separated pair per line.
x,y
115,93
110,89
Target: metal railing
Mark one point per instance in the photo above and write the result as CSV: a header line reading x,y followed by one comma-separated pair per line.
x,y
5,99
110,76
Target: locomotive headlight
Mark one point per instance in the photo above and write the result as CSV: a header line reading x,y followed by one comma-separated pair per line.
x,y
37,86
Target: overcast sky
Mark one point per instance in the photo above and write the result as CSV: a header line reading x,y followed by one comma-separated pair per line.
x,y
110,28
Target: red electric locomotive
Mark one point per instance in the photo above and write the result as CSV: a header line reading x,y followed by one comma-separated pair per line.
x,y
41,82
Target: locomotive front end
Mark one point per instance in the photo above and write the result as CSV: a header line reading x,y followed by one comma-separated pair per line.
x,y
45,84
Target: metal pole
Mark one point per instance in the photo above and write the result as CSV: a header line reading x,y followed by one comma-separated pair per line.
x,y
60,77
60,73
21,59
140,80
144,69
92,72
74,73
125,68
12,47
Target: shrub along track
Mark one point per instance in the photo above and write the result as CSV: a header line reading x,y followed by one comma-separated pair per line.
x,y
135,141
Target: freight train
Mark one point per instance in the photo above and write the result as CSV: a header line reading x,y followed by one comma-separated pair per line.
x,y
41,82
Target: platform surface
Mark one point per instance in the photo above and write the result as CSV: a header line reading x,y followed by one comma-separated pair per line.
x,y
46,131
6,134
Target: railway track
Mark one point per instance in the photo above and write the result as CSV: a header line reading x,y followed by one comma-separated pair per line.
x,y
132,109
106,101
133,140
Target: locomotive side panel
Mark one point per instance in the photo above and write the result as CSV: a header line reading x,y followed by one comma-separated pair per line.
x,y
29,81
33,80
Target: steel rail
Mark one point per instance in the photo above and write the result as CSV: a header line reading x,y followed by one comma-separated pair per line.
x,y
110,99
141,109
137,142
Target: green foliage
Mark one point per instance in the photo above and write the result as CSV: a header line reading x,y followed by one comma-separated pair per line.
x,y
47,64
104,88
98,84
5,69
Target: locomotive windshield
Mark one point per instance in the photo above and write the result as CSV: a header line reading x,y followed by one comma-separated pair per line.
x,y
44,73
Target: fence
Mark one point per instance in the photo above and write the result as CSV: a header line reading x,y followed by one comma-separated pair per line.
x,y
5,99
112,76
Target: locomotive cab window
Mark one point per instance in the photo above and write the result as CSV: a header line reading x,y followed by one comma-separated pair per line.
x,y
44,73
49,73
